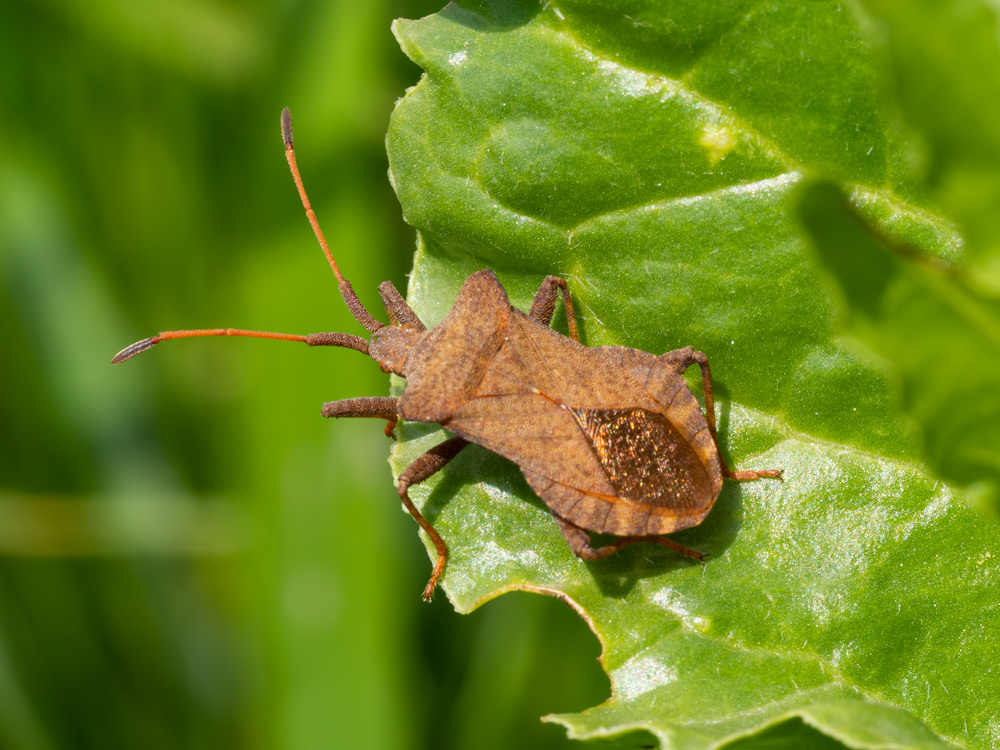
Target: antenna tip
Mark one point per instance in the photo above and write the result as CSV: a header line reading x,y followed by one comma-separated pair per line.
x,y
137,348
286,127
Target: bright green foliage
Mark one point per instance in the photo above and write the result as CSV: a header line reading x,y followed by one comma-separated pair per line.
x,y
950,374
946,63
665,161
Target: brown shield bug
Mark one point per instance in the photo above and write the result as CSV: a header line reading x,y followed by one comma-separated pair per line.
x,y
611,438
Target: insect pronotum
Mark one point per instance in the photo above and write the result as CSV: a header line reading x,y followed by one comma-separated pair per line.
x,y
611,438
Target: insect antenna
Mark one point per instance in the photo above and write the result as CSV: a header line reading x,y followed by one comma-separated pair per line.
x,y
346,290
345,340
313,339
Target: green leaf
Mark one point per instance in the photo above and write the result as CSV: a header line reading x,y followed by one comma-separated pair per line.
x,y
946,64
890,292
653,156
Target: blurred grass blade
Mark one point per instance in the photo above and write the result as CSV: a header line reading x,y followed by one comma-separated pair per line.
x,y
50,526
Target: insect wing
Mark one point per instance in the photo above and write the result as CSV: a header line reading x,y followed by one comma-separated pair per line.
x,y
576,417
645,458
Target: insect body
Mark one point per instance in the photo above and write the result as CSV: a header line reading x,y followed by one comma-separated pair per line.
x,y
611,438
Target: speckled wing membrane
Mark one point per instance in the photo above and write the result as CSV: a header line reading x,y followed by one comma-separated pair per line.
x,y
644,457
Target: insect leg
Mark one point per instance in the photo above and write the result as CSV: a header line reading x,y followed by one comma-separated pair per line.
x,y
378,407
544,305
681,359
427,465
400,313
578,540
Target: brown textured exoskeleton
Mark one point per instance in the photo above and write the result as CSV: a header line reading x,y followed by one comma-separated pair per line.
x,y
611,438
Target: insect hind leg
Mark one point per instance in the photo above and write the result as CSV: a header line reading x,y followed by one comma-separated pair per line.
x,y
680,360
578,540
749,475
544,305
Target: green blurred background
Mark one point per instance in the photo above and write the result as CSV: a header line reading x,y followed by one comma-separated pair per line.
x,y
189,555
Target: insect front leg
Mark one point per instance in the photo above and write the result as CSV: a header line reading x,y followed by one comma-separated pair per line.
x,y
376,407
427,465
544,305
680,360
400,313
578,540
